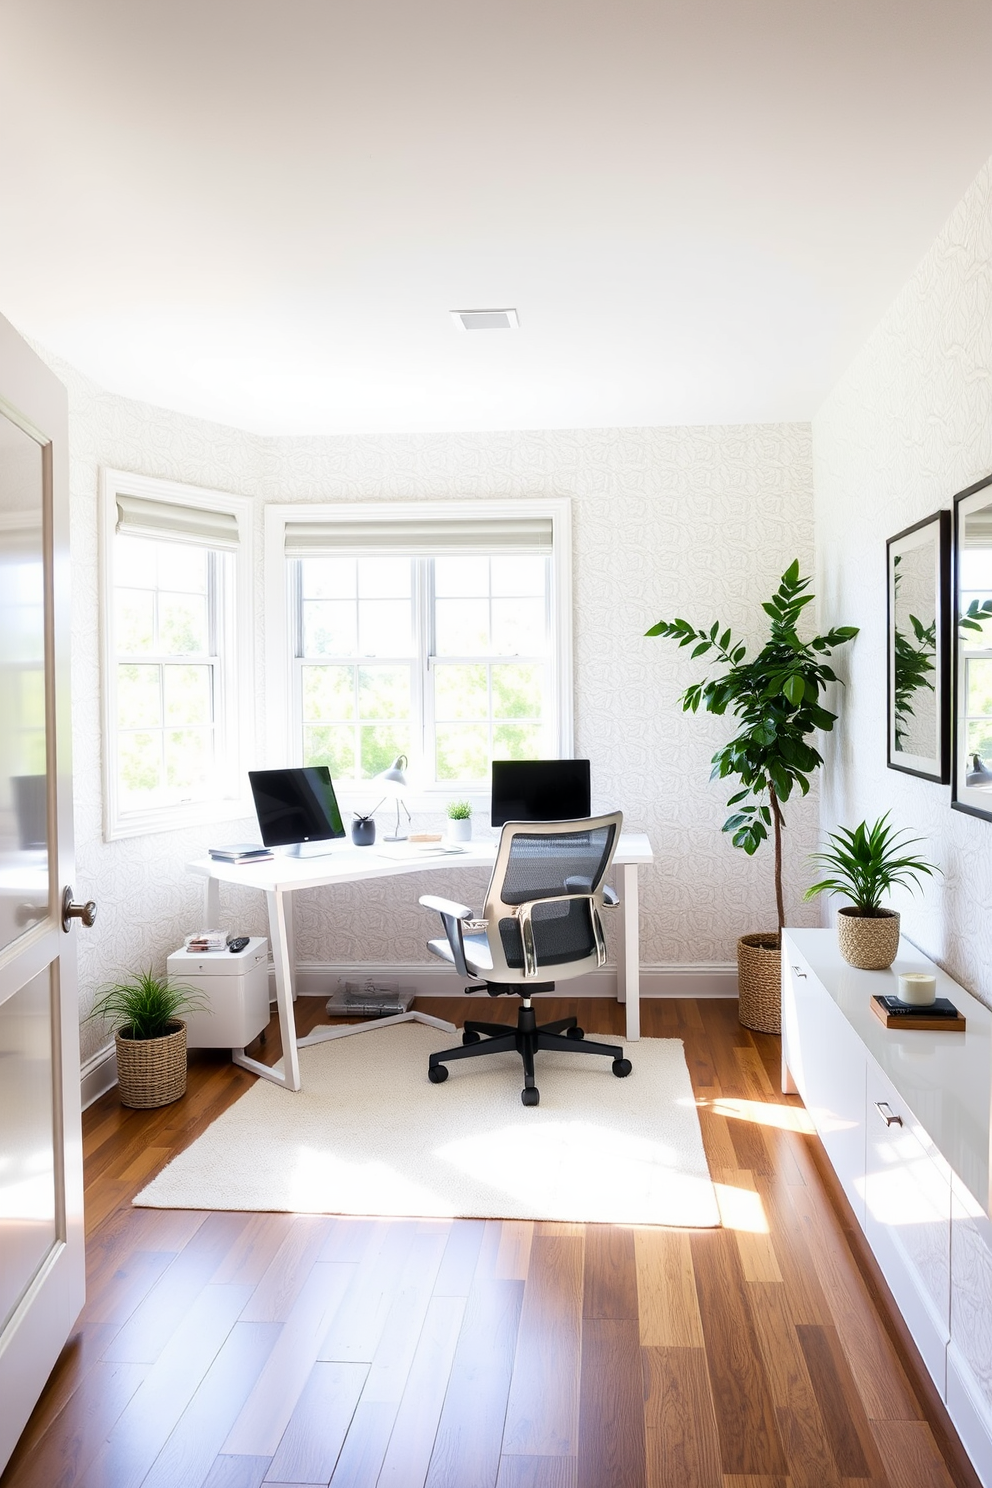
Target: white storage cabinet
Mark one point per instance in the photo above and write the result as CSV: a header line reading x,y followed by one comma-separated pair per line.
x,y
905,1119
234,985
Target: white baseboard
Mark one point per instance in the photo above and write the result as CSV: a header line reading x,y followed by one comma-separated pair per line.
x,y
699,979
98,1075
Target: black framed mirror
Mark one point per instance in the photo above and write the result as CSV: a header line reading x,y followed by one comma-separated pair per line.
x,y
972,784
918,567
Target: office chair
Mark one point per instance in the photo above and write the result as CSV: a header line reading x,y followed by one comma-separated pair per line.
x,y
542,913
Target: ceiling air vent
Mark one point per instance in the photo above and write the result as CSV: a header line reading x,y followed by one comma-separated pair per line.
x,y
485,320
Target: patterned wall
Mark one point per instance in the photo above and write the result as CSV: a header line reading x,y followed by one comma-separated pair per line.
x,y
908,426
698,522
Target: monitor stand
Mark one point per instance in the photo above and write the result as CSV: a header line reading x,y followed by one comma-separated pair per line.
x,y
319,849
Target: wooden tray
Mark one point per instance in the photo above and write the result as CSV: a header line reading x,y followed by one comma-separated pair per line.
x,y
914,1020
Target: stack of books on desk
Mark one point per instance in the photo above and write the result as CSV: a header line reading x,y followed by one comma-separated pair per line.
x,y
241,852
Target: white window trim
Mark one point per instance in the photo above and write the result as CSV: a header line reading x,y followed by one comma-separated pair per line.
x,y
283,742
118,824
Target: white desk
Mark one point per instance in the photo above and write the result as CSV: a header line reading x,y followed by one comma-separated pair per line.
x,y
279,877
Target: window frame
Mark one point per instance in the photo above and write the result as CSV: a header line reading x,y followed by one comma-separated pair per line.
x,y
284,734
235,660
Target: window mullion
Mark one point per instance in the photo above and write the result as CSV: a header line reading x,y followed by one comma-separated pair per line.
x,y
426,645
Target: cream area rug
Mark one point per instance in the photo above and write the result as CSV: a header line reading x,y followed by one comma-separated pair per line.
x,y
368,1134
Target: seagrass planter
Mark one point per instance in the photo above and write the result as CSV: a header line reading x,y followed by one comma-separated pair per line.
x,y
759,983
870,942
151,1072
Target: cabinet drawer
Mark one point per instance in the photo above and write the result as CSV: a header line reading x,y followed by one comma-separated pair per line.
x,y
970,1354
908,1218
828,1062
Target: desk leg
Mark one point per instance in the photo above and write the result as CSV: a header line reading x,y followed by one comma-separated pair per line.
x,y
629,951
211,904
287,1071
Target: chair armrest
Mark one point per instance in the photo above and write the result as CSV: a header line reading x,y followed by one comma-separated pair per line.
x,y
522,914
447,907
452,917
610,897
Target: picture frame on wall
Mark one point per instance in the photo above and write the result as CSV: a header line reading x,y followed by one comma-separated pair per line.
x,y
918,648
971,786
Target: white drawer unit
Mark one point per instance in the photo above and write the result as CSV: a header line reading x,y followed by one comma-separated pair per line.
x,y
905,1118
907,1193
234,986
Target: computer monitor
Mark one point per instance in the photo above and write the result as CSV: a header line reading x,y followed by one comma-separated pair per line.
x,y
540,790
296,807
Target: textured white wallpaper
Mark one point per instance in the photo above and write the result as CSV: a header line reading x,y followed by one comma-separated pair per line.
x,y
698,522
908,426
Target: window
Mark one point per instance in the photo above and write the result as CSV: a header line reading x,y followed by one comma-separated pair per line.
x,y
176,623
438,631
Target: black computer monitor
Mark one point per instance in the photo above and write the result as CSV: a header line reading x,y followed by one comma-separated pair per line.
x,y
296,806
540,790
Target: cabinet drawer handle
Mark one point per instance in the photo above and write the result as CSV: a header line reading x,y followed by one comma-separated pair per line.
x,y
799,973
887,1114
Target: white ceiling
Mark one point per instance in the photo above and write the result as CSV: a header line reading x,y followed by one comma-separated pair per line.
x,y
263,212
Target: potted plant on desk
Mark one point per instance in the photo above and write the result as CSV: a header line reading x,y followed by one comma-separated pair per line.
x,y
776,700
865,865
459,821
149,1035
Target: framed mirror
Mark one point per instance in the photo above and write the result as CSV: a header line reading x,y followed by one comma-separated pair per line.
x,y
918,565
972,785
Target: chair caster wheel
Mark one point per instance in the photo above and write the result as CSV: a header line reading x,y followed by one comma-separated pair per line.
x,y
438,1073
471,1038
530,1096
622,1067
575,1033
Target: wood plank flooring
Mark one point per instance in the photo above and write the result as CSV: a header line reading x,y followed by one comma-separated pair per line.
x,y
236,1350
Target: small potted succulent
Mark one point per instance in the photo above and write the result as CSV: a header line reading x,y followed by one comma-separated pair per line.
x,y
149,1035
864,866
459,821
363,830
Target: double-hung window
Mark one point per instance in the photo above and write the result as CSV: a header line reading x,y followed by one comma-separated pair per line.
x,y
439,631
176,654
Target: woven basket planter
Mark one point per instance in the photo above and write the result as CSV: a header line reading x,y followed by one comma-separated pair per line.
x,y
870,942
759,983
152,1072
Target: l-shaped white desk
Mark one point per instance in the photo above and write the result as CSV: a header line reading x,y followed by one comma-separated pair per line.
x,y
279,878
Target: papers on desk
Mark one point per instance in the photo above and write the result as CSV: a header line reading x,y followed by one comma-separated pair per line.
x,y
417,850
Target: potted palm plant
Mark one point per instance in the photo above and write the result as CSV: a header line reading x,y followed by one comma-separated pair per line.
x,y
865,865
149,1035
776,699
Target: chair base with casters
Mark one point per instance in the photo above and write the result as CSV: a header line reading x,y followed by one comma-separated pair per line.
x,y
563,1036
541,915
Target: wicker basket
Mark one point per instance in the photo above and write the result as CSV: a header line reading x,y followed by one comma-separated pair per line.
x,y
870,942
152,1072
759,982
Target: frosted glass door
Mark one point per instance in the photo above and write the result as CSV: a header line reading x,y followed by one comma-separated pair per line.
x,y
27,1124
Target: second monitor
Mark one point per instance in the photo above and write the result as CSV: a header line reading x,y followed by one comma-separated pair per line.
x,y
540,790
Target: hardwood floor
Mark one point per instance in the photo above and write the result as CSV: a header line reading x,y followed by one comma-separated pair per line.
x,y
232,1350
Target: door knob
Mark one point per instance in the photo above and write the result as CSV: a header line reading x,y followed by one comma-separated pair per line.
x,y
71,911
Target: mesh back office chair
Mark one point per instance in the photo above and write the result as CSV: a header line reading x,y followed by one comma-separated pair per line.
x,y
542,913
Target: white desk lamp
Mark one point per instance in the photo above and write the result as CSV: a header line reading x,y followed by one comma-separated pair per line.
x,y
394,782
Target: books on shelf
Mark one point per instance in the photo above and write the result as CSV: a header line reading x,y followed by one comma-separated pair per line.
x,y
241,852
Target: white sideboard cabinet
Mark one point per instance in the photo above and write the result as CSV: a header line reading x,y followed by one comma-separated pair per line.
x,y
905,1119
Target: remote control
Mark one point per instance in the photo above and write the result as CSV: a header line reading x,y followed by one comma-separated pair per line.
x,y
238,943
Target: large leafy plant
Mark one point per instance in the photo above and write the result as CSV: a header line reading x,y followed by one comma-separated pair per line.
x,y
868,863
776,699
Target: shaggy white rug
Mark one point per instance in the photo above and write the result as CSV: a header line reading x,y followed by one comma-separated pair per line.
x,y
368,1134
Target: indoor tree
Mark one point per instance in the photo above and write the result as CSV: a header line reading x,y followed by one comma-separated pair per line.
x,y
776,700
